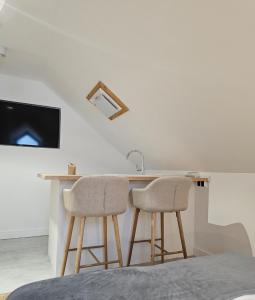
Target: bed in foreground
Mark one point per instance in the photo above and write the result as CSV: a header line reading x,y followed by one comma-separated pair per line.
x,y
219,277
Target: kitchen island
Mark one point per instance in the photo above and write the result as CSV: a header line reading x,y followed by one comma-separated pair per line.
x,y
93,233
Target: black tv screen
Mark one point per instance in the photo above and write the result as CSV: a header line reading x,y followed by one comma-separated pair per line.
x,y
23,124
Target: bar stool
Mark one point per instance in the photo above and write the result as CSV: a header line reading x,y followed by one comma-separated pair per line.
x,y
165,194
95,196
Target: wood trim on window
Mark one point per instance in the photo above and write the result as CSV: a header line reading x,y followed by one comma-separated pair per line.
x,y
101,85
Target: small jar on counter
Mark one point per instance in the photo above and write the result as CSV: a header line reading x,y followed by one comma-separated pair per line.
x,y
71,169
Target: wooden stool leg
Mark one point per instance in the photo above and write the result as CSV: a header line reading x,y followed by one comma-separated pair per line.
x,y
153,235
137,211
79,245
68,242
179,220
162,225
117,239
105,242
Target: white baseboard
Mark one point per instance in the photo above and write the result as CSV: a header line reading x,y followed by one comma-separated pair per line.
x,y
201,252
21,233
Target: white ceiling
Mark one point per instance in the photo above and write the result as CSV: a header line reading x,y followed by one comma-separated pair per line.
x,y
185,68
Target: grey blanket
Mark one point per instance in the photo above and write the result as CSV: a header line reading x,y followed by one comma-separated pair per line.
x,y
219,277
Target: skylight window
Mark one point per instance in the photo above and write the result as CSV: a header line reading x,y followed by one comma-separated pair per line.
x,y
106,101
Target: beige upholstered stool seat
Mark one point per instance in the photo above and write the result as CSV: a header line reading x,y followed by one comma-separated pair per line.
x,y
165,194
95,196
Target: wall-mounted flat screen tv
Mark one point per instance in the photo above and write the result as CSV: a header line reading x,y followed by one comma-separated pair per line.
x,y
30,125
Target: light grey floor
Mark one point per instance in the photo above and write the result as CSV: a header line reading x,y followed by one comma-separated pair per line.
x,y
23,261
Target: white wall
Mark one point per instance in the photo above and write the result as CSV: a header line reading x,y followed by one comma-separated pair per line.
x,y
224,214
24,200
231,200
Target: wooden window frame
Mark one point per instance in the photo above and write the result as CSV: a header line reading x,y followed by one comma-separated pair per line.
x,y
101,85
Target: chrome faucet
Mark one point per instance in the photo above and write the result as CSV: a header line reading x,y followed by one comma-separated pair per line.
x,y
141,168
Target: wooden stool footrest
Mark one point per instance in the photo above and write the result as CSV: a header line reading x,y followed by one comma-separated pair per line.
x,y
99,264
88,248
169,253
146,241
149,241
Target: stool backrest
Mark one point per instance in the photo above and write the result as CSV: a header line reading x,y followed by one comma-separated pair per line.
x,y
168,193
97,196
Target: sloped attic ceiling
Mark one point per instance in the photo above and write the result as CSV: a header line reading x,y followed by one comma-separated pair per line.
x,y
185,69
